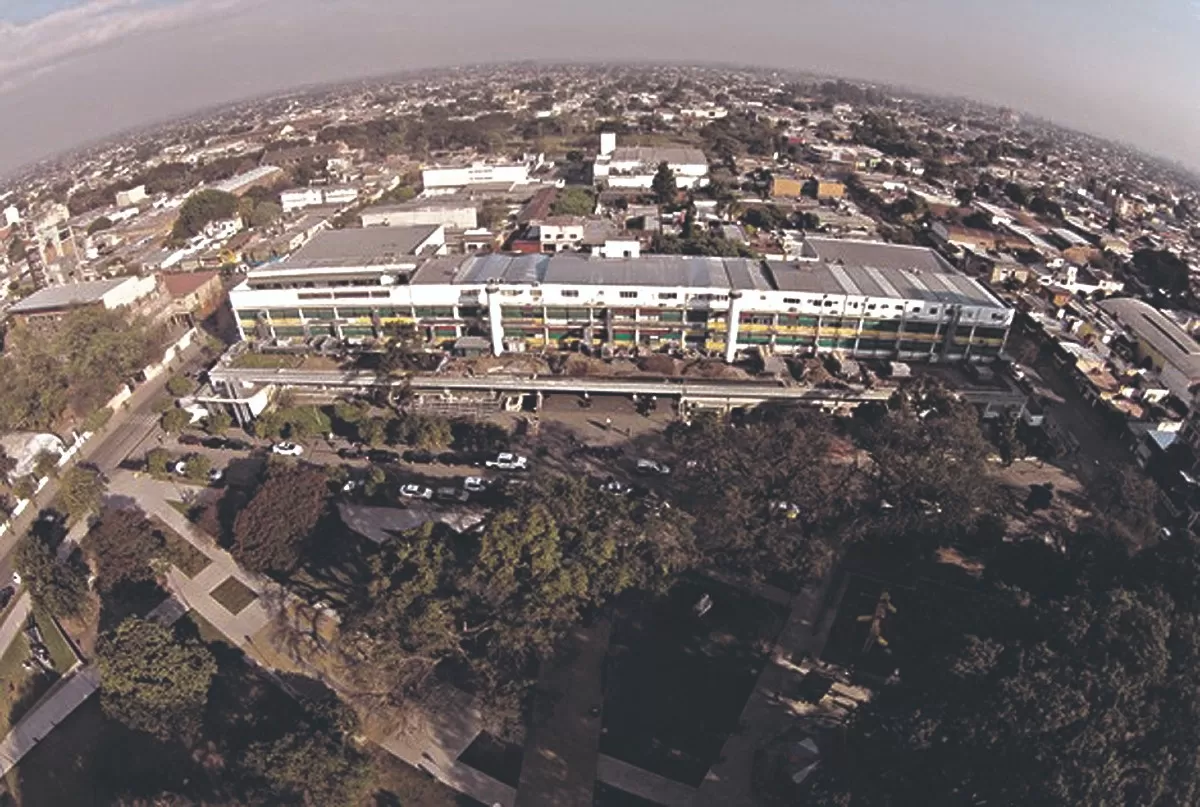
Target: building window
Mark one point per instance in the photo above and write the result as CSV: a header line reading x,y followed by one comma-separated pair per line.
x,y
629,295
793,301
667,295
870,306
933,311
570,292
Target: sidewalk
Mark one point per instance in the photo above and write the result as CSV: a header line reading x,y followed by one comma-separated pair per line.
x,y
434,747
14,623
766,714
563,746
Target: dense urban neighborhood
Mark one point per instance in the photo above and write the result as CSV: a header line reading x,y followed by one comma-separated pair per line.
x,y
566,436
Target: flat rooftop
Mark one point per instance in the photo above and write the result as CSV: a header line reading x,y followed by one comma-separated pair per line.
x,y
367,246
653,155
68,296
829,266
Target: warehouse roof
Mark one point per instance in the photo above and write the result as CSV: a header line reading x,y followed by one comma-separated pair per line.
x,y
1166,338
368,246
68,296
854,268
653,155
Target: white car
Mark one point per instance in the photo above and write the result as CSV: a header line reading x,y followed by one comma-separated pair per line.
x,y
509,462
616,487
416,492
16,578
474,484
653,467
180,467
216,475
287,449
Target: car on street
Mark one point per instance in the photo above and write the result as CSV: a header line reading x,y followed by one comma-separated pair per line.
x,y
191,440
382,456
216,476
452,495
616,487
475,484
226,444
652,467
180,467
352,485
16,578
6,595
508,462
351,453
416,492
287,449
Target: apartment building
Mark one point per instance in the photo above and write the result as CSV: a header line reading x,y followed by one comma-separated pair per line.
x,y
867,299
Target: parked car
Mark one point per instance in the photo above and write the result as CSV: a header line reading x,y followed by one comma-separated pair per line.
x,y
420,457
475,484
508,462
287,449
215,476
352,485
379,455
191,440
616,487
179,467
16,578
351,453
227,444
452,495
649,467
416,492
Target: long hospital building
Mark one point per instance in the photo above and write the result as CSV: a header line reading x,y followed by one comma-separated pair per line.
x,y
867,299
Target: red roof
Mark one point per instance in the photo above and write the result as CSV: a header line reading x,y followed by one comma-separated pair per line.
x,y
181,284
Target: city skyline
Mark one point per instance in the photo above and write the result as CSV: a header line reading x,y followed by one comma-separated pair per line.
x,y
80,71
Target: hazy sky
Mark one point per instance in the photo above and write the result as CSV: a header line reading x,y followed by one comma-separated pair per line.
x,y
75,70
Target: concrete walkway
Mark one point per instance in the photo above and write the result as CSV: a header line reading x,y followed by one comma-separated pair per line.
x,y
767,713
433,743
14,623
643,783
153,497
559,768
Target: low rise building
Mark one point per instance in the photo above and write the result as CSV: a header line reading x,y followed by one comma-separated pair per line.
x,y
451,215
131,197
635,166
46,307
866,299
334,195
476,173
1160,342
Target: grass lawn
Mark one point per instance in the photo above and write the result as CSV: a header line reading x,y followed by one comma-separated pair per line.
x,y
189,560
675,684
233,595
61,652
19,689
400,783
180,508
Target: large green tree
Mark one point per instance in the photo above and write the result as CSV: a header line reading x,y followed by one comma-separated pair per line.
x,y
152,681
202,208
271,530
60,588
664,186
121,545
80,492
314,768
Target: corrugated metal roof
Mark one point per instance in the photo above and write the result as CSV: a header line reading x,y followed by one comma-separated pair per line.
x,y
73,294
367,246
1164,336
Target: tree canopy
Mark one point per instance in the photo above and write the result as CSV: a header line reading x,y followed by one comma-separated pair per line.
x,y
663,186
60,588
314,767
153,682
202,208
270,531
121,545
574,202
72,370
